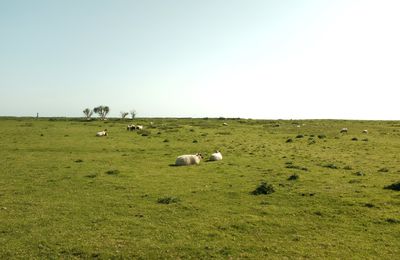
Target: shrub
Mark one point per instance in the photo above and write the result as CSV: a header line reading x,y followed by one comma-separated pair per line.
x,y
394,186
263,188
167,200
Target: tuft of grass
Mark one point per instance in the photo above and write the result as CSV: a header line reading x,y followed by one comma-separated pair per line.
x,y
112,172
291,166
394,186
263,188
384,169
347,167
330,166
167,200
293,177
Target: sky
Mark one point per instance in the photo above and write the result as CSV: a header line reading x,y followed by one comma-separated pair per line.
x,y
265,59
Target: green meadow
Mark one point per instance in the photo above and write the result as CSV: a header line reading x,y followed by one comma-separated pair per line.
x,y
65,193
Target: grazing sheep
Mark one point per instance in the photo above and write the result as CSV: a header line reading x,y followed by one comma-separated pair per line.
x,y
365,131
344,130
134,127
102,133
225,124
188,159
130,127
217,156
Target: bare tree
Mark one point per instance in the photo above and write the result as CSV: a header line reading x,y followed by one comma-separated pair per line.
x,y
133,113
88,113
102,111
124,114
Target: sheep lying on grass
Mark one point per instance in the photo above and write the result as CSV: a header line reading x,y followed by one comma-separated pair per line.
x,y
217,156
102,133
344,130
188,159
365,131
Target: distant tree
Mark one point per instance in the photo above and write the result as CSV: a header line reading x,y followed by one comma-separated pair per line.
x,y
88,113
102,111
133,113
124,114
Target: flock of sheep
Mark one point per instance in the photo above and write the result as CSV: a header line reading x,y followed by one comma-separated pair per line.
x,y
183,160
192,159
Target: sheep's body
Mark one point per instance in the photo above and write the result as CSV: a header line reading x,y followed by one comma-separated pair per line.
x,y
365,131
188,159
134,127
102,133
344,130
217,156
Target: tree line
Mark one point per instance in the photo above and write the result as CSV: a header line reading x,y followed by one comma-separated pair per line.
x,y
103,111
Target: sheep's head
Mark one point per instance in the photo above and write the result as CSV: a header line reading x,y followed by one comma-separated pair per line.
x,y
199,155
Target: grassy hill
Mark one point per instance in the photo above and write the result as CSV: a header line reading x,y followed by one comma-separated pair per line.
x,y
65,193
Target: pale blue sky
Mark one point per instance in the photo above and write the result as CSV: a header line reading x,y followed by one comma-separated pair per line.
x,y
208,58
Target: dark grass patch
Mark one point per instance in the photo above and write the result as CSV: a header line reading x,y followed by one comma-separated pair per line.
x,y
321,136
79,161
290,140
293,177
167,200
364,140
384,169
91,175
299,136
354,181
354,139
263,188
347,167
369,205
144,132
296,167
392,221
166,141
359,173
330,166
112,172
195,141
394,186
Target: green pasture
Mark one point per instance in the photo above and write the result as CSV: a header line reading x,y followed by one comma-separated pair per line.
x,y
65,193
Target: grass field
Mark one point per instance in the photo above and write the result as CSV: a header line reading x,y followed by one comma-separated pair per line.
x,y
65,193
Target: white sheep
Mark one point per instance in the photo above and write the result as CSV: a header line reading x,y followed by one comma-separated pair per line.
x,y
130,127
102,133
225,124
344,130
365,131
188,159
139,127
217,156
